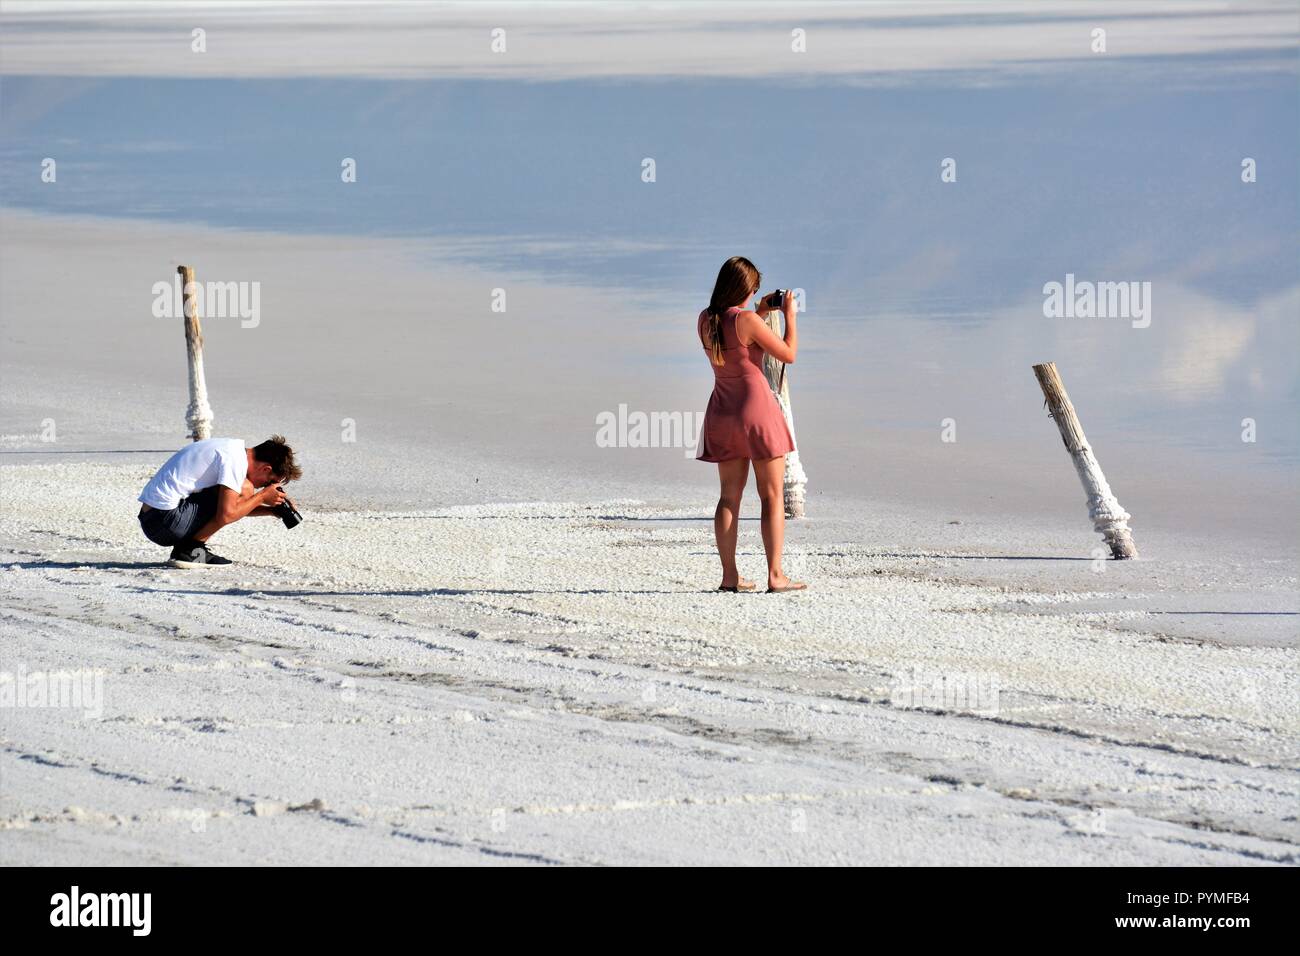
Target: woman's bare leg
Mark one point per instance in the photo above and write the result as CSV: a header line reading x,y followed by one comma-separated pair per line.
x,y
769,475
732,475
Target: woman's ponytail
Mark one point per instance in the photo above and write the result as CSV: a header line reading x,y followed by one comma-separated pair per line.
x,y
738,279
715,337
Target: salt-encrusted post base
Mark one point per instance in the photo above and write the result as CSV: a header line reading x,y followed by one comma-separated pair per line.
x,y
1107,516
795,479
198,416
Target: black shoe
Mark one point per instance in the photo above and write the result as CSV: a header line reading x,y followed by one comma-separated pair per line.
x,y
192,554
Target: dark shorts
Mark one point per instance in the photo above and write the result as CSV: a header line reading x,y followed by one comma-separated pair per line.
x,y
170,528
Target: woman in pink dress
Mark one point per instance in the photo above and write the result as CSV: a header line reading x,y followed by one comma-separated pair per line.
x,y
743,422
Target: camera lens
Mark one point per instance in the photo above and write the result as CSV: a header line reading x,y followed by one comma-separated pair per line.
x,y
288,514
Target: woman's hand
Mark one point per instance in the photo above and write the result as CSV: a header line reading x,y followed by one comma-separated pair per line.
x,y
789,306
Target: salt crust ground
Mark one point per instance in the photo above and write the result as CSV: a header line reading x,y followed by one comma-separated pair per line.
x,y
556,683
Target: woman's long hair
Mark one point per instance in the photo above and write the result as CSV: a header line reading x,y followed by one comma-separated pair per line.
x,y
738,279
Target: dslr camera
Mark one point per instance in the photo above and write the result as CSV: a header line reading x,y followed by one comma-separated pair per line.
x,y
286,512
776,300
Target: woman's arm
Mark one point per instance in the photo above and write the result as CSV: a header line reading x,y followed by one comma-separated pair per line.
x,y
753,330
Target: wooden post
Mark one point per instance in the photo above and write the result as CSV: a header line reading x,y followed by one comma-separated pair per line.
x,y
1107,516
198,417
795,479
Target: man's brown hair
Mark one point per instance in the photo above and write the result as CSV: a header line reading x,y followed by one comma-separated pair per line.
x,y
276,453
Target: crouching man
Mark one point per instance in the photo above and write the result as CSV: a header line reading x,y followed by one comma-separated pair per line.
x,y
207,485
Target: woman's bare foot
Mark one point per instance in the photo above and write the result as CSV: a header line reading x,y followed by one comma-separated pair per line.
x,y
777,585
740,584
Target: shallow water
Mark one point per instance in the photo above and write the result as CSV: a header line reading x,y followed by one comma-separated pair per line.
x,y
924,299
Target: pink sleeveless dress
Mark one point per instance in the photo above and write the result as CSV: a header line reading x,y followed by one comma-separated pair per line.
x,y
743,419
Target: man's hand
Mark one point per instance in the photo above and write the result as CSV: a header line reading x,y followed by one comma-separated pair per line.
x,y
271,496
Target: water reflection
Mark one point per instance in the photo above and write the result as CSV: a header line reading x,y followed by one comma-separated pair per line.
x,y
925,296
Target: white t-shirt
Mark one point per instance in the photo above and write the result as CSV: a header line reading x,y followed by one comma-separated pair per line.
x,y
199,465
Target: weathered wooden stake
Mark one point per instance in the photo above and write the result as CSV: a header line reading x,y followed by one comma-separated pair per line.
x,y
1107,516
795,479
198,417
